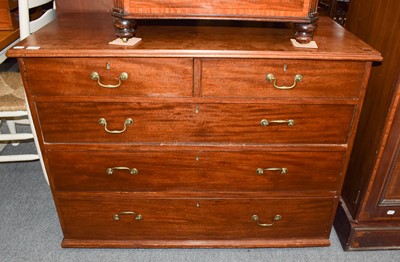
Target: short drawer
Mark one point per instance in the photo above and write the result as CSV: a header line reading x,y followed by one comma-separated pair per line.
x,y
148,77
191,170
185,122
115,216
248,78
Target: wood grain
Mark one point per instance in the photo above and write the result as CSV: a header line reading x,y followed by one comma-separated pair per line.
x,y
72,77
215,9
201,170
179,123
177,40
196,144
247,78
89,216
9,15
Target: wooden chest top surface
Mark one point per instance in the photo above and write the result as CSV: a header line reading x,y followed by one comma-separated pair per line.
x,y
87,35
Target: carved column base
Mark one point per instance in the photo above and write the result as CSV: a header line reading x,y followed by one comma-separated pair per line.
x,y
305,32
124,28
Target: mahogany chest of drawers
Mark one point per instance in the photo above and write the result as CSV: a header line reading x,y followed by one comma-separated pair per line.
x,y
197,136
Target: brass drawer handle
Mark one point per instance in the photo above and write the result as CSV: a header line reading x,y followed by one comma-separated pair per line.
x,y
123,76
132,171
137,217
127,122
256,219
260,171
265,122
271,78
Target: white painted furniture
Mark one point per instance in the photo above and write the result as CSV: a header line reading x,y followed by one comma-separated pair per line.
x,y
3,51
26,26
13,109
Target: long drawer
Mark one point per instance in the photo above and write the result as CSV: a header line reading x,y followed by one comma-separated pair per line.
x,y
249,78
186,122
195,171
122,216
68,77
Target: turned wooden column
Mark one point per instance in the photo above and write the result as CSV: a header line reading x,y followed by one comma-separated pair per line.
x,y
124,28
304,32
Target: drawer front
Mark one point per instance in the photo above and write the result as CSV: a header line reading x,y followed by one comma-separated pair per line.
x,y
248,78
94,216
69,77
195,171
179,122
213,8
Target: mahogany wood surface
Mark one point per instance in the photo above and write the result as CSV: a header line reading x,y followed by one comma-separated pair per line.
x,y
213,123
9,31
201,170
247,78
144,77
190,41
241,78
303,12
261,9
227,243
7,37
89,216
391,166
196,146
370,212
8,15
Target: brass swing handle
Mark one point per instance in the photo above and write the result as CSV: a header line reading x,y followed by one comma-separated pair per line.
x,y
127,122
123,76
132,171
283,170
256,219
137,217
271,78
265,122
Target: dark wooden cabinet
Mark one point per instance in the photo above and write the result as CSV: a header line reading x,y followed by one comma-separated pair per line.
x,y
196,145
369,214
303,13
